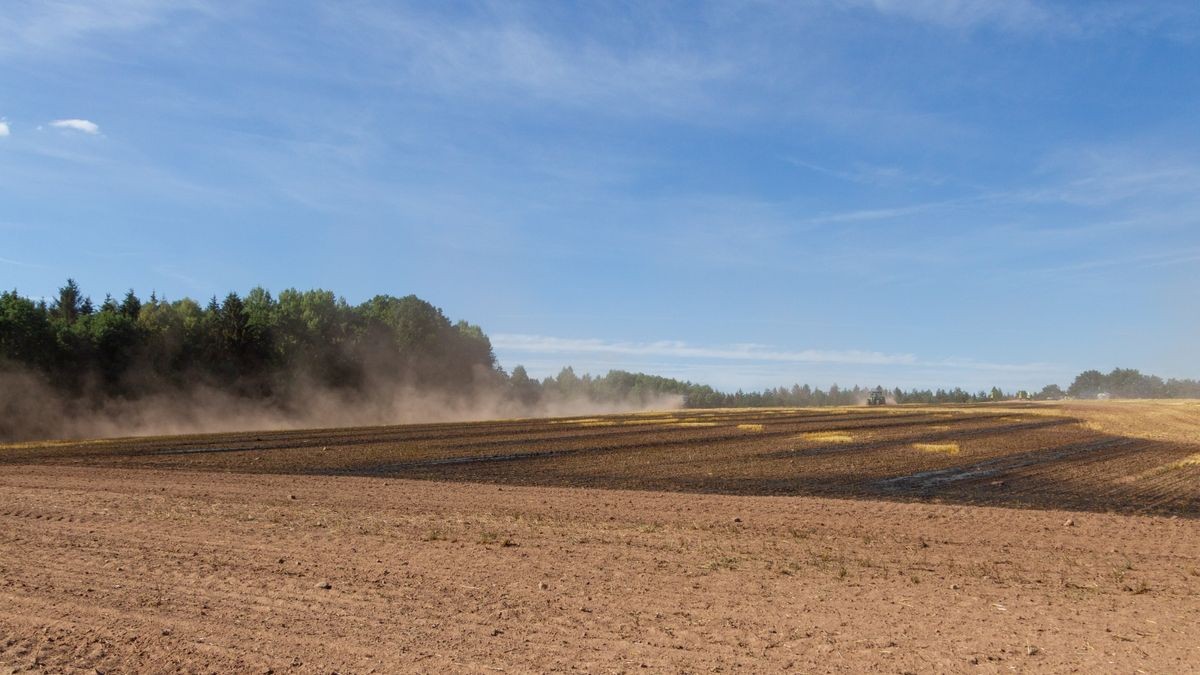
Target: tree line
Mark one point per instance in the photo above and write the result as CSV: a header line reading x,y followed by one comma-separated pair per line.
x,y
1129,383
257,345
262,346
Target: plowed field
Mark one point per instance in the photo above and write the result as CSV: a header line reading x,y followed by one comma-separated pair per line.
x,y
318,552
1124,457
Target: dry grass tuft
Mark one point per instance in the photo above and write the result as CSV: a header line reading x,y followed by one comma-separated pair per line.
x,y
947,448
750,427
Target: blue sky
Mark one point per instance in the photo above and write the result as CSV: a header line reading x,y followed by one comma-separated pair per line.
x,y
749,194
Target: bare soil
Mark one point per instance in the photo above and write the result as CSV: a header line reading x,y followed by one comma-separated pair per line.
x,y
1109,457
162,571
241,553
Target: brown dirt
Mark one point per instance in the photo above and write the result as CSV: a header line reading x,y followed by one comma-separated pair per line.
x,y
214,554
161,571
1131,458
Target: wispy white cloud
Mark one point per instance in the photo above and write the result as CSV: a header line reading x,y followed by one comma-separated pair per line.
x,y
752,366
509,56
1178,20
86,126
955,363
1148,260
28,26
19,263
870,174
859,215
1102,175
4,130
667,348
1011,14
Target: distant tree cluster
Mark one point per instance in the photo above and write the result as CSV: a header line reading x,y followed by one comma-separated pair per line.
x,y
617,386
1130,383
956,395
1120,383
806,396
256,345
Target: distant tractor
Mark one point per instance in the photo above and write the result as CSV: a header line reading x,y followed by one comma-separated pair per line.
x,y
876,397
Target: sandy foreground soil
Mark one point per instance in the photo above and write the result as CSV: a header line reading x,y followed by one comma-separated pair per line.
x,y
146,570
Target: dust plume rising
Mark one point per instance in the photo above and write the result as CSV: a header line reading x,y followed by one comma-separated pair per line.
x,y
31,409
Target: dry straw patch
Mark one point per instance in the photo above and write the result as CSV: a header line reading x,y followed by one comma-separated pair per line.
x,y
1186,462
27,445
750,427
946,448
828,437
644,421
1190,460
1176,421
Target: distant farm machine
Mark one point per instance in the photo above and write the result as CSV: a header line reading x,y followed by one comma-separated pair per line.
x,y
876,397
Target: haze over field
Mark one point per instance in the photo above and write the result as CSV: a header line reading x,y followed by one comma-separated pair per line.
x,y
306,359
927,194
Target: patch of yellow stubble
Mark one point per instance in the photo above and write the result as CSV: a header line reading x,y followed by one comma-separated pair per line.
x,y
1190,460
946,448
827,437
1175,421
26,445
1186,462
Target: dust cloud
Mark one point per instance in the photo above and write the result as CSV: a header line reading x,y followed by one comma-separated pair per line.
x,y
31,409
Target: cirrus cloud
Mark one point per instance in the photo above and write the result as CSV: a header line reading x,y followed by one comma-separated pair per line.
x,y
673,348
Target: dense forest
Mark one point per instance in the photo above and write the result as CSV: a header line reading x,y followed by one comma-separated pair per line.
x,y
256,346
71,368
